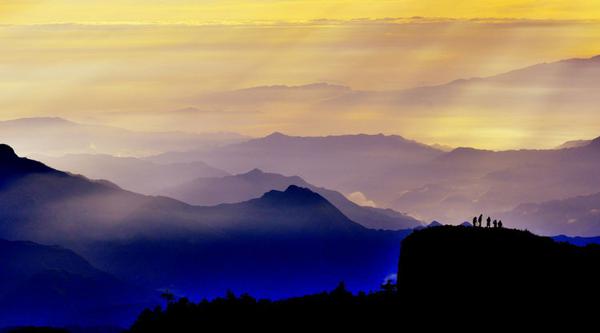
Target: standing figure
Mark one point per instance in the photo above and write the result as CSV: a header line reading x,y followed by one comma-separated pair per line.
x,y
475,221
489,222
495,224
480,219
500,224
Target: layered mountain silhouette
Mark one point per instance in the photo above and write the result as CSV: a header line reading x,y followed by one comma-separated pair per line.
x,y
560,83
434,185
469,180
57,136
252,184
39,202
560,92
340,162
576,216
131,173
283,243
50,285
468,276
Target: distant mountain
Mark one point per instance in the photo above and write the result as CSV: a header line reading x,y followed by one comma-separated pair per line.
x,y
50,285
429,184
566,83
242,187
551,88
132,173
340,162
57,136
576,216
273,95
466,181
557,92
577,240
574,144
284,243
39,203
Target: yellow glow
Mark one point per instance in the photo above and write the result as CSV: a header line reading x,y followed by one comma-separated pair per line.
x,y
131,62
208,11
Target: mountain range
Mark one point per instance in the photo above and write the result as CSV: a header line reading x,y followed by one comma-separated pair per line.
x,y
565,83
337,162
51,285
395,173
58,136
283,243
420,180
576,216
526,105
208,191
132,173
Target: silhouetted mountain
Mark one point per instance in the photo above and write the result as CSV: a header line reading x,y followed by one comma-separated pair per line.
x,y
230,189
50,285
446,186
579,241
40,203
466,181
11,166
339,162
469,276
57,136
283,243
498,271
576,216
266,96
574,144
565,83
132,173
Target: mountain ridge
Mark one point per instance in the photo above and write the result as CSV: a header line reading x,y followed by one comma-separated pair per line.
x,y
254,183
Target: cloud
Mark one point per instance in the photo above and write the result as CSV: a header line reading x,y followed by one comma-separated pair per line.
x,y
360,199
133,75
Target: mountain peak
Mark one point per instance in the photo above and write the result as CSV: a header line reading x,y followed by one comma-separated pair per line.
x,y
295,194
276,135
41,121
253,172
595,143
12,165
294,189
7,153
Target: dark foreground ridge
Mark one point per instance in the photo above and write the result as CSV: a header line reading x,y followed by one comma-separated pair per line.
x,y
459,274
510,271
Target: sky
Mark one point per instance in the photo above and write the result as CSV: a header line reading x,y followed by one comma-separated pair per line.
x,y
132,63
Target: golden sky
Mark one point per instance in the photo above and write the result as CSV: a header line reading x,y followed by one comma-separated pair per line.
x,y
130,63
203,11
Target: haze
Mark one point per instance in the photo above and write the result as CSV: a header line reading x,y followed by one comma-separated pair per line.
x,y
150,65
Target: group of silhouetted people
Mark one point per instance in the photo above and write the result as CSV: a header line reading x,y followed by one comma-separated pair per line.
x,y
478,222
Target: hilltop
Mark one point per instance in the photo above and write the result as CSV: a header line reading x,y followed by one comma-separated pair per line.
x,y
496,268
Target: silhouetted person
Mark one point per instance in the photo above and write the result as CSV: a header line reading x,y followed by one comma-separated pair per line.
x,y
489,222
475,221
480,219
495,224
500,224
